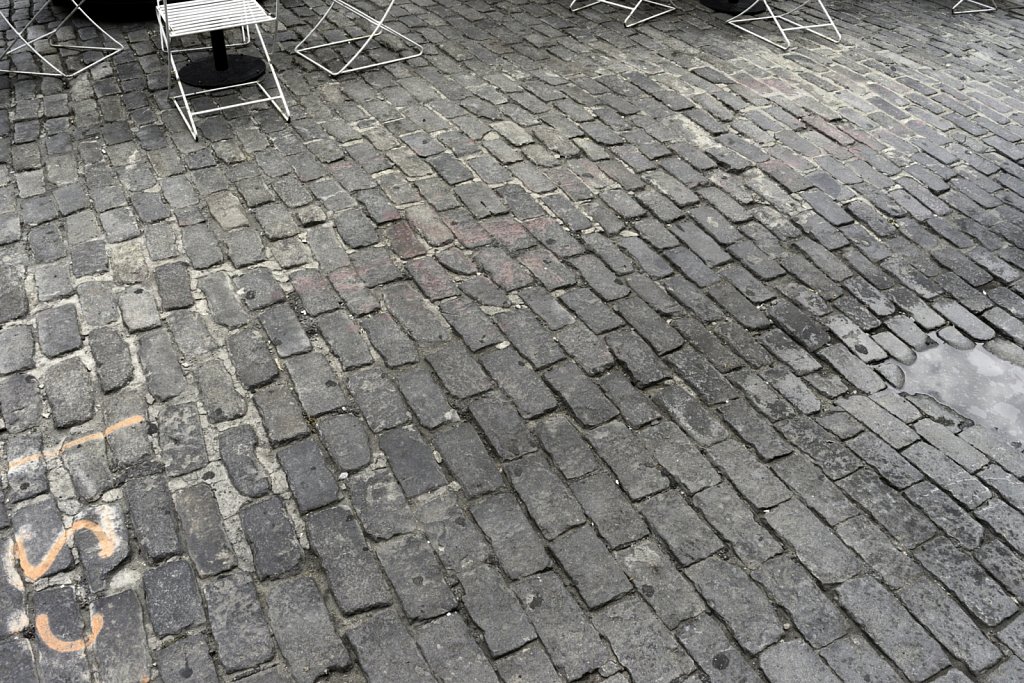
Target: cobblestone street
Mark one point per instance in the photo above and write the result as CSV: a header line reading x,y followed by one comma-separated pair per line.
x,y
564,352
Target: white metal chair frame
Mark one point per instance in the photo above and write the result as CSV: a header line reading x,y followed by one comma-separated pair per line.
x,y
633,9
192,17
978,7
25,43
377,28
784,24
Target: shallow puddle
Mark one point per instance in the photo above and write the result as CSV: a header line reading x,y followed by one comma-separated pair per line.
x,y
975,383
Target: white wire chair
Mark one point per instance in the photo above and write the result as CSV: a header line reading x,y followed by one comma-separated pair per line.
x,y
361,43
783,23
23,42
665,8
974,6
179,20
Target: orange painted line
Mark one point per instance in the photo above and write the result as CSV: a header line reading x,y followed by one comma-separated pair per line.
x,y
65,646
74,443
33,571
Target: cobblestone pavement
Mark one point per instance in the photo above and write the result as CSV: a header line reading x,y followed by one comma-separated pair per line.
x,y
564,352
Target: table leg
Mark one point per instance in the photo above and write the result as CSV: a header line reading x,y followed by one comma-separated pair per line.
x,y
222,70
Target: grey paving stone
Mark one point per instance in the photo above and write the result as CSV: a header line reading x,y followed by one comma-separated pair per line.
x,y
720,660
892,628
953,627
592,568
817,547
172,598
412,461
416,575
531,397
739,601
732,518
802,475
120,647
319,389
756,482
224,306
880,551
271,537
642,643
36,526
159,360
793,660
567,634
57,330
184,659
281,414
201,525
818,619
506,432
493,607
518,548
237,622
20,402
907,525
345,438
138,310
17,345
425,397
380,504
309,477
547,499
113,358
17,655
182,446
626,455
701,425
70,392
249,352
101,553
386,651
237,448
303,629
451,652
634,406
89,469
378,399
688,538
610,511
27,472
895,468
355,577
64,623
451,530
151,510
854,659
967,580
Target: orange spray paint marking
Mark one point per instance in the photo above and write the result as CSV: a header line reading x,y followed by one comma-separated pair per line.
x,y
74,443
65,646
33,571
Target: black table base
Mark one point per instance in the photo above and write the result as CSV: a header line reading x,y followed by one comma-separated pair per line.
x,y
222,70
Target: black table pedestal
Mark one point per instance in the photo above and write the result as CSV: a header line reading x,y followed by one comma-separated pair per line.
x,y
222,70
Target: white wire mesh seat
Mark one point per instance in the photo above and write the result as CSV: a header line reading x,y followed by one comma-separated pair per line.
x,y
783,22
23,42
663,7
179,20
362,43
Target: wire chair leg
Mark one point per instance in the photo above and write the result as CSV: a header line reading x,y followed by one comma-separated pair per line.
x,y
378,27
